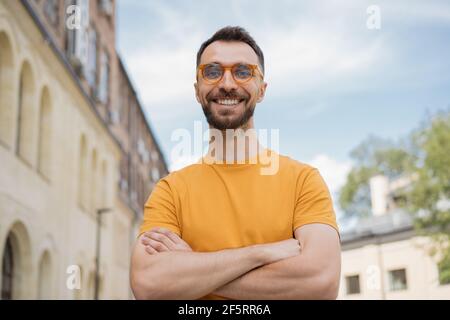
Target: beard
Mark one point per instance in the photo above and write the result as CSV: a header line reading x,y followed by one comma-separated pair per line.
x,y
227,119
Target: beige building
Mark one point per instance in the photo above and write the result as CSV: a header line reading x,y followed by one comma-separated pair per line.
x,y
384,258
73,140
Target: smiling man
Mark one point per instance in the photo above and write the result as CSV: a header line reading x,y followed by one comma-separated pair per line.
x,y
220,229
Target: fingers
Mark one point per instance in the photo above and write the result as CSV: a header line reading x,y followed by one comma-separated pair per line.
x,y
172,236
157,242
162,239
150,250
180,244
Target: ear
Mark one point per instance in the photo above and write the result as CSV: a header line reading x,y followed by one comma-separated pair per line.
x,y
196,92
262,92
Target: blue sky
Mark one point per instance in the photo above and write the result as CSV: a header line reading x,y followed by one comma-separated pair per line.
x,y
331,80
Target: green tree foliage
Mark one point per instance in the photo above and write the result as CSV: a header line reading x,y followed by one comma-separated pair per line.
x,y
431,190
372,157
424,156
429,197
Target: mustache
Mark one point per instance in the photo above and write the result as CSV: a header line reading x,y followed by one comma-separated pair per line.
x,y
227,95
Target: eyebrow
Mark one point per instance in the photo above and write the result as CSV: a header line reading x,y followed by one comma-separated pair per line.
x,y
217,62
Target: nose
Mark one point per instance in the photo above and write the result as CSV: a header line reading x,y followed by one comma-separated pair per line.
x,y
227,82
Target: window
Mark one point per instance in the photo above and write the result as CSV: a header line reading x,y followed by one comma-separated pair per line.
x,y
123,184
92,59
397,280
103,93
7,271
155,156
6,91
51,10
26,112
77,37
155,174
114,116
106,6
123,181
143,152
352,284
44,165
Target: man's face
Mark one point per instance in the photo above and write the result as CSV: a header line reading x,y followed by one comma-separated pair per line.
x,y
224,116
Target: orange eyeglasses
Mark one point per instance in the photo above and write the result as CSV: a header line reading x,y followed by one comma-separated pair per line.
x,y
212,73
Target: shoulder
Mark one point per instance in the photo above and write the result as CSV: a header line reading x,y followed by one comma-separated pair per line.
x,y
298,168
178,179
300,173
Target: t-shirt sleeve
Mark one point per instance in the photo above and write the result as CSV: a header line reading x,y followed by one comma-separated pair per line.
x,y
313,201
160,209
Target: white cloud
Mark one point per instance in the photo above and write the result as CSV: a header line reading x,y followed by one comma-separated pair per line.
x,y
335,174
315,48
163,68
301,54
164,77
308,59
425,11
333,171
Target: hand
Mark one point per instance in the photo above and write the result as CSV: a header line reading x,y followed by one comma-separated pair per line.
x,y
271,252
160,240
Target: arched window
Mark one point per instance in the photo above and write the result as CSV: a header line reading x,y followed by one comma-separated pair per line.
x,y
82,174
45,280
6,91
7,271
17,272
26,114
45,135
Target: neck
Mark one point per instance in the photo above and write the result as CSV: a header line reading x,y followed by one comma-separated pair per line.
x,y
234,145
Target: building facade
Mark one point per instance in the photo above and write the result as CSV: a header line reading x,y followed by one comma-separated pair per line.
x,y
383,257
74,145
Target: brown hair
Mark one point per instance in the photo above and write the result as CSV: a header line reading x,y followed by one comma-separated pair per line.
x,y
233,34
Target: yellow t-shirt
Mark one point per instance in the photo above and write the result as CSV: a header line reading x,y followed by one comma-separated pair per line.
x,y
219,206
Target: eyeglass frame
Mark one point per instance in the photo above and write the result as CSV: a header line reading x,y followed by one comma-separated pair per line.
x,y
253,67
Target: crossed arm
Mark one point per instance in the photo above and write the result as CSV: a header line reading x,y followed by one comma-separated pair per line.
x,y
307,267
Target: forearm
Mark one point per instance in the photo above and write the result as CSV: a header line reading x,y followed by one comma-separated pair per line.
x,y
292,278
191,275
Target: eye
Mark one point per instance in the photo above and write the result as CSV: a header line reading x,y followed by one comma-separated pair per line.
x,y
242,71
212,71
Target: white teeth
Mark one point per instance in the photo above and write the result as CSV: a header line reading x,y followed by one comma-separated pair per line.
x,y
228,102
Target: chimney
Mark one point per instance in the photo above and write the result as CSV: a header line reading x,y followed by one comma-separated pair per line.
x,y
379,190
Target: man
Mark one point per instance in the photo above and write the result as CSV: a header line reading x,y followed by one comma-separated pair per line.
x,y
221,229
